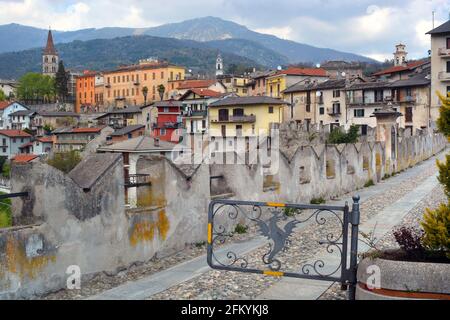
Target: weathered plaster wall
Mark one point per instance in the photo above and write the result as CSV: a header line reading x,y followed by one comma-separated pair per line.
x,y
61,224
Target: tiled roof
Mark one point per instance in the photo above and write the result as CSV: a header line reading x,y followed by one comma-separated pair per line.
x,y
45,139
139,144
168,103
21,113
417,80
230,101
4,104
305,86
28,144
127,130
24,158
190,84
443,28
50,47
14,133
206,93
316,72
87,130
409,66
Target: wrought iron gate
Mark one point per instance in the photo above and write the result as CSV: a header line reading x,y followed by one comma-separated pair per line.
x,y
277,222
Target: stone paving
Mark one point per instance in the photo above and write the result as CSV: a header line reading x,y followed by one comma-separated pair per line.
x,y
213,284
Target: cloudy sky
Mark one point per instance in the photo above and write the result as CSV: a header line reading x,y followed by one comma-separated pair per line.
x,y
368,27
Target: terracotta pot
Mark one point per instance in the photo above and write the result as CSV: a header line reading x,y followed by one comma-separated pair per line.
x,y
402,280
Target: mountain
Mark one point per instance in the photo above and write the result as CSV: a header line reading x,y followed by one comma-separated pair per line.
x,y
106,54
15,37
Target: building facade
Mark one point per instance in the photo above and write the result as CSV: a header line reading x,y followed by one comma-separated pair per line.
x,y
440,65
124,86
169,123
11,141
244,116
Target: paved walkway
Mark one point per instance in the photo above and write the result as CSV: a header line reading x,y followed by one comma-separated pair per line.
x,y
287,288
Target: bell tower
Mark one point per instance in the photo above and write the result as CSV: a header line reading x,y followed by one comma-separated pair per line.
x,y
400,55
50,58
219,65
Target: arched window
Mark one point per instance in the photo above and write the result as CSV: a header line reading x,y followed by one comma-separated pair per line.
x,y
46,59
53,59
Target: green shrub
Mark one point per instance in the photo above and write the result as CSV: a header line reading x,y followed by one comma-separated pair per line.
x,y
65,161
444,174
6,170
436,224
290,212
337,136
240,229
317,200
369,183
5,213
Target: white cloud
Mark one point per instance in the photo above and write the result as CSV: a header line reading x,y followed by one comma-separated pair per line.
x,y
282,32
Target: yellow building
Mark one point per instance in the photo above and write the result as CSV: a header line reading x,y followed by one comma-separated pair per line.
x,y
283,79
244,116
125,86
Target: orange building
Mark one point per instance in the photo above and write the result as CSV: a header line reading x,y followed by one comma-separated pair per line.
x,y
125,86
85,91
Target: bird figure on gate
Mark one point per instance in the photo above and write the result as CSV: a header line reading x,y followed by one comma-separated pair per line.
x,y
278,236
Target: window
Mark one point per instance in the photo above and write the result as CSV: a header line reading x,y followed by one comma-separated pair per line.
x,y
321,110
162,74
358,113
448,43
166,109
336,93
239,130
154,76
163,132
448,66
270,109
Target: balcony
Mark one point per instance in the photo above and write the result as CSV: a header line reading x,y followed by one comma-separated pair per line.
x,y
137,180
168,125
334,111
444,52
108,85
409,99
237,119
136,83
444,76
120,98
195,113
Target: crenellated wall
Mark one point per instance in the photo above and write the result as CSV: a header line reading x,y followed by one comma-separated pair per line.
x,y
80,218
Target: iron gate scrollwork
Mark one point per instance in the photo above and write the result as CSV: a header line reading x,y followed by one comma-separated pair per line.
x,y
274,225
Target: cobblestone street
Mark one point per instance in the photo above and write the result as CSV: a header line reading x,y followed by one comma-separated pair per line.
x,y
214,284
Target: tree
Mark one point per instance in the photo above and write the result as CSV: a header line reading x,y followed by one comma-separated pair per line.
x,y
436,223
65,161
161,90
2,95
337,136
35,86
61,80
145,92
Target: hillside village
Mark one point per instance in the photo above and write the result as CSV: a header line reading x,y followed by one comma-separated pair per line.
x,y
120,146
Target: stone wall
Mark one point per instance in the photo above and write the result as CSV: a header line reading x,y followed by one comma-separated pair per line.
x,y
80,218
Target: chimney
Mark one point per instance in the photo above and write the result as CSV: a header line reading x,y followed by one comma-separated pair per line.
x,y
156,142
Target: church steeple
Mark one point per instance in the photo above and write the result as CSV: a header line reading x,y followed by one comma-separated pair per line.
x,y
50,58
219,65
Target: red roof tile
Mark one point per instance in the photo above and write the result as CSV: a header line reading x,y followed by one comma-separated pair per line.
x,y
86,130
45,139
190,84
409,66
4,104
24,158
318,72
206,93
14,133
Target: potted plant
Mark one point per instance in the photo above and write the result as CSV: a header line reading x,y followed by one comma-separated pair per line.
x,y
420,268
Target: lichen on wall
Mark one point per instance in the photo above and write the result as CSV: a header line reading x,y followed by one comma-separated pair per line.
x,y
146,226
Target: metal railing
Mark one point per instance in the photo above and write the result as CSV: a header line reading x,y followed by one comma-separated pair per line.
x,y
137,180
244,118
278,223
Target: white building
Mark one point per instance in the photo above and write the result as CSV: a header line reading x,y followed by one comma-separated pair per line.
x,y
11,141
21,119
6,109
440,65
8,87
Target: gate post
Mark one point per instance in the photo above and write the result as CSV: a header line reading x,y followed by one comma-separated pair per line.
x,y
354,220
